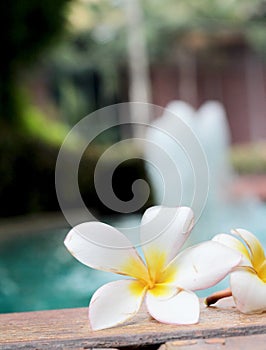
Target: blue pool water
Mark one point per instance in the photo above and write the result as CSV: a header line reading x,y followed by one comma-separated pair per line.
x,y
37,273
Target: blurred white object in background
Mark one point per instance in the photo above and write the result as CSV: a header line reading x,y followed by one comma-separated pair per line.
x,y
209,126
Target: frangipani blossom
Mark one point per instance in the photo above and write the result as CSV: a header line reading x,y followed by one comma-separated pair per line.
x,y
166,281
248,282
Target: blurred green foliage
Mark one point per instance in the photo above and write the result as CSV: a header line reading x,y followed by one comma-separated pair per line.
x,y
90,66
249,158
35,124
27,28
27,162
87,70
29,140
102,42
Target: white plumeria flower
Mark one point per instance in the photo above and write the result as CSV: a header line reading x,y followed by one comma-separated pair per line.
x,y
248,283
166,281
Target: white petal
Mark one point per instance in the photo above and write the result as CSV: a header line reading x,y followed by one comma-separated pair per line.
x,y
102,247
234,243
256,249
183,308
115,303
164,231
203,265
249,291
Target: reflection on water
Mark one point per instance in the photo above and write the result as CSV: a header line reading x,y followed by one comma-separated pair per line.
x,y
37,272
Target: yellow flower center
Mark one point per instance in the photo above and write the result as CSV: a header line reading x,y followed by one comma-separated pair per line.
x,y
159,275
155,277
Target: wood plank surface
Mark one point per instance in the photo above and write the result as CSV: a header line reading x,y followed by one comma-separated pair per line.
x,y
256,342
69,329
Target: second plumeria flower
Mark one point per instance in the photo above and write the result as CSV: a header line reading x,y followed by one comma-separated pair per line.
x,y
168,278
248,281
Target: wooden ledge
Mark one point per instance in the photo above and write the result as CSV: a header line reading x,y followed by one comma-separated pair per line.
x,y
231,343
69,329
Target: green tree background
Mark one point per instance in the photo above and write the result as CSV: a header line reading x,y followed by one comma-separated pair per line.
x,y
81,42
28,27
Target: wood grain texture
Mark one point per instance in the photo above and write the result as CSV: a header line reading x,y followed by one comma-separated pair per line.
x,y
69,329
256,342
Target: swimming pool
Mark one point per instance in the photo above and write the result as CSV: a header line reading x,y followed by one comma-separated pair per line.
x,y
38,273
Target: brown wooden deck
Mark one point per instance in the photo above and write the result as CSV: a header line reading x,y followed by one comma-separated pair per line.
x,y
223,328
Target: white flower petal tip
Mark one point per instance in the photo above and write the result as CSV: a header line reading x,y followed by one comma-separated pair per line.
x,y
257,254
166,217
183,308
114,303
103,247
235,244
249,292
165,229
204,265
